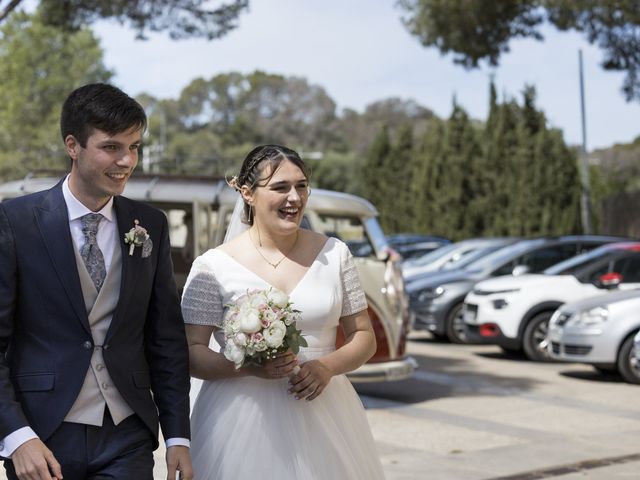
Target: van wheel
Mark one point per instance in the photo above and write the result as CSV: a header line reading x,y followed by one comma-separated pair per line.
x,y
628,363
456,328
534,339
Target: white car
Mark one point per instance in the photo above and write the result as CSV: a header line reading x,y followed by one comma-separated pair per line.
x,y
599,331
514,312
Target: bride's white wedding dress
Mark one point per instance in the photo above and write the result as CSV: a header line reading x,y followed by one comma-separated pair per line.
x,y
248,428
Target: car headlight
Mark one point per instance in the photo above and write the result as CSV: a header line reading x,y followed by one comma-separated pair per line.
x,y
430,293
590,317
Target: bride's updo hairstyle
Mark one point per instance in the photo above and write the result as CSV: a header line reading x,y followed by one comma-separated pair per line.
x,y
253,168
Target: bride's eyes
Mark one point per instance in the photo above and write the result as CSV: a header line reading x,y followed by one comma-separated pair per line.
x,y
301,188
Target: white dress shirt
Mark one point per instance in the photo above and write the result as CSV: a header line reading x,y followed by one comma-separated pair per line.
x,y
107,238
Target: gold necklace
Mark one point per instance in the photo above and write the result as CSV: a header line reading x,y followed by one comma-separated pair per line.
x,y
274,265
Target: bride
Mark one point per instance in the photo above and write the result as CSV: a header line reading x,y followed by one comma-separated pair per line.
x,y
294,416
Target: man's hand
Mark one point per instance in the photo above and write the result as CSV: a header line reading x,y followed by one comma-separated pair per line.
x,y
179,460
34,461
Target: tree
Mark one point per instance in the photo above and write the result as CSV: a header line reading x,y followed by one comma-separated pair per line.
x,y
375,179
476,30
220,114
358,130
180,18
39,66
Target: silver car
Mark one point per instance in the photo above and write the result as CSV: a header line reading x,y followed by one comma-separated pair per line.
x,y
599,331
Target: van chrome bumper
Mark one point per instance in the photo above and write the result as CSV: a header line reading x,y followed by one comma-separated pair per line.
x,y
384,371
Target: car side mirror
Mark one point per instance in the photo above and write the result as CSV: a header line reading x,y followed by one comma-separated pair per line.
x,y
609,280
519,270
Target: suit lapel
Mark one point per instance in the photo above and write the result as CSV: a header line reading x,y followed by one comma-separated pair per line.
x,y
53,221
125,217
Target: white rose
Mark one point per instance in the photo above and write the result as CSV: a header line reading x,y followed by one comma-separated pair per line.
x,y
234,353
275,334
250,321
240,339
278,298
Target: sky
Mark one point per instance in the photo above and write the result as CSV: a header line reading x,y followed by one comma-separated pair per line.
x,y
359,52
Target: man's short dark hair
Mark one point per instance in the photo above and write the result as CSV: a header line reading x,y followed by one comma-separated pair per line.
x,y
100,106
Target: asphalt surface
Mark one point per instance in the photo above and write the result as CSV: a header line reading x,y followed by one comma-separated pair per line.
x,y
473,413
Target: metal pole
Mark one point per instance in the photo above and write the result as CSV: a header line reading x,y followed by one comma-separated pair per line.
x,y
585,197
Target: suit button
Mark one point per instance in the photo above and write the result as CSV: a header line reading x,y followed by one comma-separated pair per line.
x,y
99,367
105,385
87,345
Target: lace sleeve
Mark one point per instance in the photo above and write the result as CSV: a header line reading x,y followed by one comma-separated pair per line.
x,y
201,298
353,297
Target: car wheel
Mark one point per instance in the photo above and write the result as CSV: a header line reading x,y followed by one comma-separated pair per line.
x,y
628,363
456,328
534,340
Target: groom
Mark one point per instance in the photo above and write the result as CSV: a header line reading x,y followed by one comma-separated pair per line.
x,y
93,352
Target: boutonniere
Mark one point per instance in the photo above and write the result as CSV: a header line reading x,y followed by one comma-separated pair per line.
x,y
138,237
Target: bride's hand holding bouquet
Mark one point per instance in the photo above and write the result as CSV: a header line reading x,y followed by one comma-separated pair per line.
x,y
261,334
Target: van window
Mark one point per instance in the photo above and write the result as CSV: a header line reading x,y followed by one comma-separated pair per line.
x,y
348,229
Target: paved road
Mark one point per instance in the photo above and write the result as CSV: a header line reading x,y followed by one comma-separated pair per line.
x,y
472,413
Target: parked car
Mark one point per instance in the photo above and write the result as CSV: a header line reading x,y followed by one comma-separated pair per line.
x,y
514,312
198,211
413,245
635,353
599,331
452,256
436,302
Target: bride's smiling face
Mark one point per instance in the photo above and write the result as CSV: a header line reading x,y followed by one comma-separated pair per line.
x,y
279,203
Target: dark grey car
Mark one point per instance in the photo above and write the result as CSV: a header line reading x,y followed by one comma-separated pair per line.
x,y
436,301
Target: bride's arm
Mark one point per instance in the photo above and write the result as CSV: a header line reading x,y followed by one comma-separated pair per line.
x,y
359,346
209,365
204,363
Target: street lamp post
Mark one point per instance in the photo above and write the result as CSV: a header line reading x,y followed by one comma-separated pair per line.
x,y
585,201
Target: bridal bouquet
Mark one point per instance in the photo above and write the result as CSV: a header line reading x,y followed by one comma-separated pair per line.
x,y
260,324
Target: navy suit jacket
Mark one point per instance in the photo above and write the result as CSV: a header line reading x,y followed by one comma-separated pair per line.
x,y
45,338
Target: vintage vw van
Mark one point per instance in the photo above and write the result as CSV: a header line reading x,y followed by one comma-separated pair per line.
x,y
198,210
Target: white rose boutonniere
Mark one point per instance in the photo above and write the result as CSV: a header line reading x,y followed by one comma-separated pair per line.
x,y
138,237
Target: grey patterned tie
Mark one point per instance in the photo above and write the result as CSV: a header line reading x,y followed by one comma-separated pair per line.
x,y
90,252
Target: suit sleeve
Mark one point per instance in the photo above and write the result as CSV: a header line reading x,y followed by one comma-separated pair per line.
x,y
166,347
11,415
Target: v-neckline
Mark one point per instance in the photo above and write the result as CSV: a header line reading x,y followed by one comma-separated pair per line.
x,y
304,275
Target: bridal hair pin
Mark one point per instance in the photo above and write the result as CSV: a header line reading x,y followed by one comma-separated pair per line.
x,y
233,183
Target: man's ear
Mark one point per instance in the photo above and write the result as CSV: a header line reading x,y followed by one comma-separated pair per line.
x,y
73,146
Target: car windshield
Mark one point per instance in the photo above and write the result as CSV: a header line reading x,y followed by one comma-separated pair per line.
x,y
471,256
501,256
434,255
573,264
